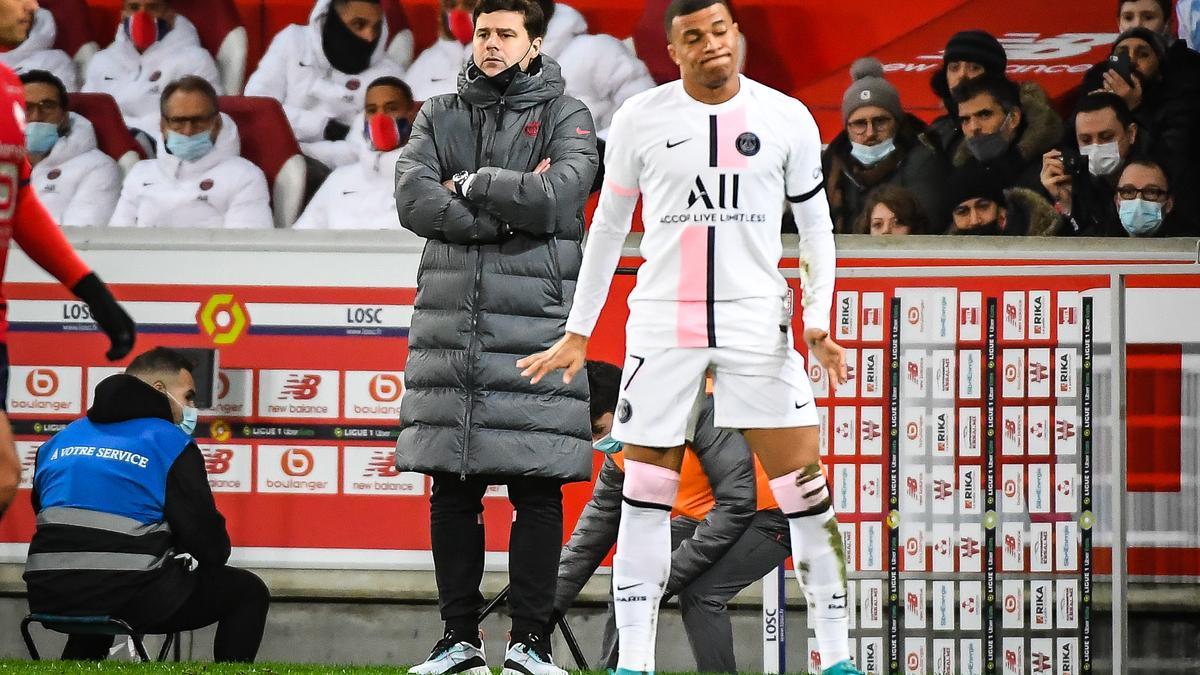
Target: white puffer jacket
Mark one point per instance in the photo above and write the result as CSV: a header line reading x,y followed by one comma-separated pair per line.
x,y
136,80
435,71
359,196
77,182
37,52
296,72
219,190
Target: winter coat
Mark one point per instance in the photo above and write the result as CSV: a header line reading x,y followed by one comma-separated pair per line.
x,y
219,190
1042,130
1028,214
37,52
296,72
911,166
729,469
77,182
136,80
496,278
435,71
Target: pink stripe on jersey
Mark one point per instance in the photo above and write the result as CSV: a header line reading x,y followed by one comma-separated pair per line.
x,y
619,190
730,125
692,307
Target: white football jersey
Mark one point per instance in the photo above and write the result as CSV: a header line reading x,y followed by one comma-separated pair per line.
x,y
714,181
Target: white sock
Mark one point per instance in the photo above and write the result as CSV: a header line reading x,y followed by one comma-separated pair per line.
x,y
821,567
640,570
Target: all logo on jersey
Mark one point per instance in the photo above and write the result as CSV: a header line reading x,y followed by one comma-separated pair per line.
x,y
727,189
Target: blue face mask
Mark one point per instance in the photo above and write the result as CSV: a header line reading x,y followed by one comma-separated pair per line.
x,y
608,445
191,416
1139,217
189,148
869,155
40,137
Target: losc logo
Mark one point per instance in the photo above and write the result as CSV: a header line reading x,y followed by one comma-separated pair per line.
x,y
42,382
386,388
216,461
223,318
301,387
296,462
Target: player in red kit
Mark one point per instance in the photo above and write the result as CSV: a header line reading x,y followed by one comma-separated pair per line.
x,y
25,220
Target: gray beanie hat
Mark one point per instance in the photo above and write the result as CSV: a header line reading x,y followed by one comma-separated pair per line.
x,y
869,88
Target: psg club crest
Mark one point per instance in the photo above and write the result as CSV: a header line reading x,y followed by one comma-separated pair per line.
x,y
624,411
54,174
206,184
748,144
532,129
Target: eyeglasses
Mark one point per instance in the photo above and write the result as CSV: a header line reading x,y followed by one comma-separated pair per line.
x,y
1151,193
882,123
177,123
43,107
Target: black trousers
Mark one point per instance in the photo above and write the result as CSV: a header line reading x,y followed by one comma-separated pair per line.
x,y
456,528
234,599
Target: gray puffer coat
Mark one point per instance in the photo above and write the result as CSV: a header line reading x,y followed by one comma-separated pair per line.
x,y
496,278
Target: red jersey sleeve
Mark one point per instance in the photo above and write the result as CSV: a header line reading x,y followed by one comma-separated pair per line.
x,y
41,238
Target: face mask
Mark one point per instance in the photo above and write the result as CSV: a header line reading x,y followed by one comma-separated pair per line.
x,y
40,137
346,51
608,445
461,25
989,147
1140,217
144,30
869,155
1103,158
189,148
386,133
190,416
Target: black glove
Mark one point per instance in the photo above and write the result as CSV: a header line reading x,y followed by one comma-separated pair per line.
x,y
336,131
108,314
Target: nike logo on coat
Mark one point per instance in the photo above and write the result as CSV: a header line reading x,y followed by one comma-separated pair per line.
x,y
671,145
625,588
801,405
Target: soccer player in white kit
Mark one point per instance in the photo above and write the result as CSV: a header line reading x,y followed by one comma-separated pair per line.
x,y
715,158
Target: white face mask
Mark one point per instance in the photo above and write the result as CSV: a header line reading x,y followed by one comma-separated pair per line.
x,y
1103,158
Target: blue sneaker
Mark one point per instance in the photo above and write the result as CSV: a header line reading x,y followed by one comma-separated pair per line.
x,y
842,668
530,655
626,671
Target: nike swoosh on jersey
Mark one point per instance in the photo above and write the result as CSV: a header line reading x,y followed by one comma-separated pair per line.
x,y
799,406
671,145
625,588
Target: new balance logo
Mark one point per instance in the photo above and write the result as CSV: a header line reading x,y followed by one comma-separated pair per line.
x,y
1064,430
969,547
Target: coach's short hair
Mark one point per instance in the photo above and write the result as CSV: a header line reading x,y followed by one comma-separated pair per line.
x,y
685,7
192,84
535,20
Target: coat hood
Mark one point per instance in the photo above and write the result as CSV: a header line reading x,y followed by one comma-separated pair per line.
x,y
41,38
566,24
1042,128
121,397
80,138
182,34
525,91
228,145
1041,220
316,23
375,163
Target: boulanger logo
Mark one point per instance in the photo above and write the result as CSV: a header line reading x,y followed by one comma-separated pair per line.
x,y
296,462
386,388
301,387
223,318
42,382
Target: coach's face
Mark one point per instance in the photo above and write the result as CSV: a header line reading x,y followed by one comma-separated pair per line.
x,y
705,45
501,40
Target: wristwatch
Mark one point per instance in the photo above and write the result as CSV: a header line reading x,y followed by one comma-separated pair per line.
x,y
462,181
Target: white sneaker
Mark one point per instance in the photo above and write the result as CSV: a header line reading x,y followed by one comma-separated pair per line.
x,y
453,655
530,656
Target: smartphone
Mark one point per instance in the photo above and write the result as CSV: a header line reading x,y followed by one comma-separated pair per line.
x,y
1120,64
1073,162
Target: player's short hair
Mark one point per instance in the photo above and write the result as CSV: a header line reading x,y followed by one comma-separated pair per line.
x,y
159,361
604,383
535,20
1097,101
189,84
1003,90
46,77
685,7
395,83
1167,7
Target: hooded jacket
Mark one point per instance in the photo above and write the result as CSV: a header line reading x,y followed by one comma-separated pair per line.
x,y
37,52
485,297
221,189
296,72
358,196
118,494
136,80
77,182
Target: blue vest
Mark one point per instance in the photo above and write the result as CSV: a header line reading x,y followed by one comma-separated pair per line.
x,y
119,468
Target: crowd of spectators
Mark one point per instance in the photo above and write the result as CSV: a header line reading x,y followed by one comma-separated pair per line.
x,y
1001,160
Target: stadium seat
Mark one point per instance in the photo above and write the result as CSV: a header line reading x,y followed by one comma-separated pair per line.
x,y
222,34
112,135
74,30
400,47
267,140
649,42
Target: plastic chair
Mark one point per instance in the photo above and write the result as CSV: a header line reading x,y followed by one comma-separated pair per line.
x,y
268,141
74,35
112,136
89,625
222,34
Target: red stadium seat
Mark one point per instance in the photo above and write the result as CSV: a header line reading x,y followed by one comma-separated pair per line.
x,y
400,47
650,42
267,140
74,30
222,34
112,136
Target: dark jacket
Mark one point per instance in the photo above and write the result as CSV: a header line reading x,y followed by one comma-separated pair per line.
x,y
912,166
1028,214
1093,206
496,278
726,461
146,496
1042,129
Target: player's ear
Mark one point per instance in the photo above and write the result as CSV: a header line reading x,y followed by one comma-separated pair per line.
x,y
671,53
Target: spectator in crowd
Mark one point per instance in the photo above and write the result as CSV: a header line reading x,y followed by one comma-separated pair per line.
x,y
1145,204
982,205
891,209
1155,15
727,534
199,180
361,196
879,146
435,70
37,52
1081,179
319,72
126,522
76,181
998,136
154,46
495,178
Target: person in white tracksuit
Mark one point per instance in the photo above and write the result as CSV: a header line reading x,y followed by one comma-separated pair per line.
x,y
76,181
361,196
136,77
319,73
37,52
435,70
198,180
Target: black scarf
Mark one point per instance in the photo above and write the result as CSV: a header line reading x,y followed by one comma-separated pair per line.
x,y
503,79
346,51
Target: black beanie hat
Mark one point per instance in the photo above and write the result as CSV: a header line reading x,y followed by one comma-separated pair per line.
x,y
1157,42
972,182
977,46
